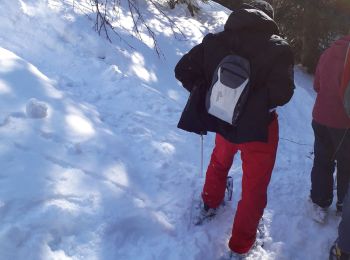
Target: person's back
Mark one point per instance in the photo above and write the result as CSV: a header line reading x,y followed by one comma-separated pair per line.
x,y
328,109
330,124
251,33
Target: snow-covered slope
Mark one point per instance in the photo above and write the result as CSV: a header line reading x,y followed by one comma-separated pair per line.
x,y
92,165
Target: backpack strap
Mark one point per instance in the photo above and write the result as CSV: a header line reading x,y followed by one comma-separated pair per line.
x,y
345,82
347,56
346,72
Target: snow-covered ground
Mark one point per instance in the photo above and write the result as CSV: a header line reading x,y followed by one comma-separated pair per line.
x,y
92,165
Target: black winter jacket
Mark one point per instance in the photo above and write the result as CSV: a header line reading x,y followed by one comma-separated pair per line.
x,y
253,35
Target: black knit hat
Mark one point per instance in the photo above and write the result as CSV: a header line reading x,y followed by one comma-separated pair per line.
x,y
260,5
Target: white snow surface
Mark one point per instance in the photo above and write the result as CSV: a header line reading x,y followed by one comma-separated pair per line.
x,y
101,171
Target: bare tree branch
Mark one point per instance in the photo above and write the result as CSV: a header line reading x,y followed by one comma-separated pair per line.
x,y
173,26
102,22
107,12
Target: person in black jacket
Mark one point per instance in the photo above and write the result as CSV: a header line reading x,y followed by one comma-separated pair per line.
x,y
251,32
341,248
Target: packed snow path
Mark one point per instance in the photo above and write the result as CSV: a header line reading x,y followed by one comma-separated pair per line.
x,y
95,168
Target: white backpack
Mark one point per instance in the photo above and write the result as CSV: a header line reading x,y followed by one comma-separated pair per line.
x,y
229,90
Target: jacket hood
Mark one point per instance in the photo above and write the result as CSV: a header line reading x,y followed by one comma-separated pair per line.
x,y
339,47
251,20
344,41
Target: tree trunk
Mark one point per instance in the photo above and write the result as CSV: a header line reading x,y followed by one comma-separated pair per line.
x,y
310,35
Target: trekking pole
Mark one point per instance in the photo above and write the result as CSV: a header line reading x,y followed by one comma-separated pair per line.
x,y
201,166
334,155
340,144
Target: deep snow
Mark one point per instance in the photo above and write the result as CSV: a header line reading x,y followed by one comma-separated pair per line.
x,y
92,165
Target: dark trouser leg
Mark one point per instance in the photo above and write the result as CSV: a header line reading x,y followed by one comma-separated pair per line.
x,y
323,168
344,226
343,178
342,142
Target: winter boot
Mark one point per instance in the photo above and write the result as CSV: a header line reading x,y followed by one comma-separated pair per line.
x,y
339,206
319,214
337,254
204,214
260,236
235,256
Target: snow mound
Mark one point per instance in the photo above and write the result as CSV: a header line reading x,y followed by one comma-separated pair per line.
x,y
36,108
20,81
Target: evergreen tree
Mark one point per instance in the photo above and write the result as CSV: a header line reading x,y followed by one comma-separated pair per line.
x,y
312,25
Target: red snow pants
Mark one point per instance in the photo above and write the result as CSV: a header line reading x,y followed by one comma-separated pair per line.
x,y
258,159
